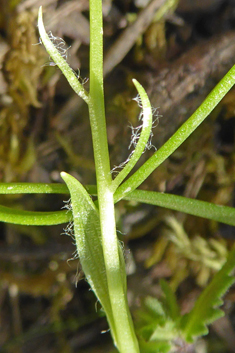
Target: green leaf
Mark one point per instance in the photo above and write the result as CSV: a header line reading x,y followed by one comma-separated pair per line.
x,y
30,218
87,236
206,308
158,320
60,61
167,333
33,218
143,139
150,317
198,208
40,188
154,347
169,301
33,188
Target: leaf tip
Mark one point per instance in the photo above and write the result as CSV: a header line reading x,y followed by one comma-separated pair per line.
x,y
67,177
139,87
63,175
40,21
135,83
40,12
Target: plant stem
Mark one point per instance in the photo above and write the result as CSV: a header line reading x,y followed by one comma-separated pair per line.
x,y
124,332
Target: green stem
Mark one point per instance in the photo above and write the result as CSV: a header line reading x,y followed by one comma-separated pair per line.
x,y
179,136
96,96
124,332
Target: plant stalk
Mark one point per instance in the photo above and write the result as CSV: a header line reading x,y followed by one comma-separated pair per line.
x,y
124,334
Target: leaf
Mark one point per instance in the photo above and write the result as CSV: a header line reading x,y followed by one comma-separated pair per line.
x,y
144,137
35,218
22,217
33,188
170,302
60,61
198,208
40,188
87,236
167,333
153,322
31,218
206,308
154,347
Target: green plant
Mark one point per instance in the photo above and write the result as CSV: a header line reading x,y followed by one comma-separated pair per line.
x,y
99,250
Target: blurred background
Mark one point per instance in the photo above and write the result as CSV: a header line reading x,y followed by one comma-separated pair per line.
x,y
178,50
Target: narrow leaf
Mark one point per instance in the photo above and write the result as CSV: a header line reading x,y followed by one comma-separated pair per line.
x,y
198,208
143,139
31,218
40,188
33,188
60,61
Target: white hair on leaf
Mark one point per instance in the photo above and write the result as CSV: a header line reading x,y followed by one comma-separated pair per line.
x,y
136,132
